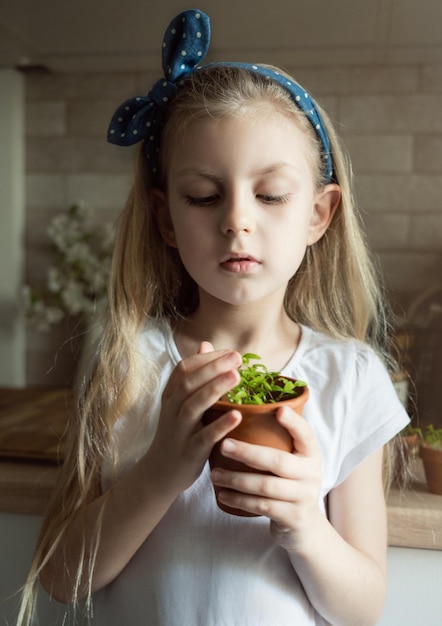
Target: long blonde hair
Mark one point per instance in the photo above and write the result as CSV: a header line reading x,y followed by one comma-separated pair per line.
x,y
336,291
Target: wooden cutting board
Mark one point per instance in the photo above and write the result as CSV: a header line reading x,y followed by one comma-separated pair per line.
x,y
33,422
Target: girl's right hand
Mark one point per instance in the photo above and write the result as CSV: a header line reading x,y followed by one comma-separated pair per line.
x,y
182,443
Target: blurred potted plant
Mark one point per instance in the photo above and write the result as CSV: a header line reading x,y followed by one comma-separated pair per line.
x,y
430,451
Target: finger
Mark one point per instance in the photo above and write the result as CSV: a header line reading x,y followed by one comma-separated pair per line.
x,y
263,485
214,432
270,460
276,510
304,439
201,443
198,369
285,502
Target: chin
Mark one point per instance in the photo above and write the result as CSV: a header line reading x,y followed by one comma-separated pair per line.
x,y
242,300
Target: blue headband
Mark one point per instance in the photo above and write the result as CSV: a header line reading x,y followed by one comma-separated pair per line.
x,y
185,44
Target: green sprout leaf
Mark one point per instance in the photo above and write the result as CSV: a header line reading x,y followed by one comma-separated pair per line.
x,y
258,385
433,436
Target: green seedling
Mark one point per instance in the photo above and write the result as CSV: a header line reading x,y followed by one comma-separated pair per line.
x,y
258,385
430,435
411,430
433,436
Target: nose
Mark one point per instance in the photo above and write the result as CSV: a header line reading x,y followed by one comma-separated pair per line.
x,y
237,216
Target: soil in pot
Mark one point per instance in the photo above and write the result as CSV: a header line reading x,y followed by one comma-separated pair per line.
x,y
432,460
258,426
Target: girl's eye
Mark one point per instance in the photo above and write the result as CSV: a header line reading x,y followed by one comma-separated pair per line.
x,y
270,199
201,201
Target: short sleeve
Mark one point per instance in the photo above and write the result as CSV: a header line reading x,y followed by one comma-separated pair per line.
x,y
375,414
353,407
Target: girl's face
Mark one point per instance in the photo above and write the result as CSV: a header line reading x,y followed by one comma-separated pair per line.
x,y
241,206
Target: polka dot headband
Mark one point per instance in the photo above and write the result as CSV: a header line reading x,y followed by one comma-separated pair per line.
x,y
185,44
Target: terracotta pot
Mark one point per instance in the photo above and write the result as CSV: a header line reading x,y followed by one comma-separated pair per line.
x,y
258,426
432,460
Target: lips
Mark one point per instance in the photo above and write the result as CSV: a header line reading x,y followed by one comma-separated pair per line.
x,y
239,263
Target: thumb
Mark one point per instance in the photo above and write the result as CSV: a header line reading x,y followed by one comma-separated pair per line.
x,y
304,439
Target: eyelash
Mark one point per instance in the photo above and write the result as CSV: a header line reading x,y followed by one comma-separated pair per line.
x,y
204,201
273,199
209,200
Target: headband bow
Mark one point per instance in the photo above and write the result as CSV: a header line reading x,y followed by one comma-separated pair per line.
x,y
185,44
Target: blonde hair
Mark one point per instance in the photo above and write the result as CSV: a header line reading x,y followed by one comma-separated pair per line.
x,y
148,279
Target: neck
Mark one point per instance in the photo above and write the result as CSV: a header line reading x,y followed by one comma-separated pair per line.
x,y
262,328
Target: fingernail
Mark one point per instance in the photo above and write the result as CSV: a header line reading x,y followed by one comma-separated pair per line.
x,y
228,445
234,358
285,414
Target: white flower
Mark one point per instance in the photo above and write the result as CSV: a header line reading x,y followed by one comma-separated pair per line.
x,y
76,283
54,279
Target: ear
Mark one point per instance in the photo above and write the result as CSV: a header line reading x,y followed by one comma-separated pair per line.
x,y
160,207
325,205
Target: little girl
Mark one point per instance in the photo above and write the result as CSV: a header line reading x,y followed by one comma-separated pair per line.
x,y
239,235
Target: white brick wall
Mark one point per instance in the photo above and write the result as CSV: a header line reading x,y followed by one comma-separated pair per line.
x,y
389,117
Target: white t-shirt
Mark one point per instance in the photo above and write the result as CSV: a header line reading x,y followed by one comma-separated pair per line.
x,y
203,567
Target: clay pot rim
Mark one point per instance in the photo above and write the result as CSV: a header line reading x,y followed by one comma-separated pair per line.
x,y
231,406
429,446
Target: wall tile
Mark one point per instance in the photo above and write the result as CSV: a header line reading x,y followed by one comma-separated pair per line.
x,y
426,233
45,118
428,153
359,80
391,114
99,190
387,232
380,153
406,193
89,117
81,86
430,79
330,104
45,190
73,155
411,271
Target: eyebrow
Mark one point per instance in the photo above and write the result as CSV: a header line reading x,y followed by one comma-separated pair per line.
x,y
277,167
268,169
185,171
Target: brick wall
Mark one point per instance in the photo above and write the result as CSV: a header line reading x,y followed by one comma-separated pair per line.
x,y
389,117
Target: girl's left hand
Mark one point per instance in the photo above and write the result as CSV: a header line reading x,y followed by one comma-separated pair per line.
x,y
288,492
